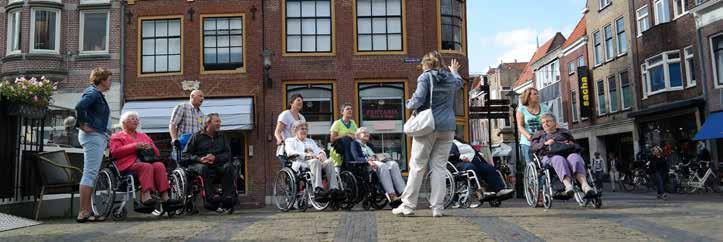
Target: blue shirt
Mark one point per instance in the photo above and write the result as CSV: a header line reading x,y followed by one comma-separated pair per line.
x,y
445,86
93,110
533,122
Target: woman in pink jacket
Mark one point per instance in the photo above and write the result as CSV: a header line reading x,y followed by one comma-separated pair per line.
x,y
125,146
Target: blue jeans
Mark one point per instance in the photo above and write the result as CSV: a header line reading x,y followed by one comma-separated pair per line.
x,y
661,178
525,153
94,145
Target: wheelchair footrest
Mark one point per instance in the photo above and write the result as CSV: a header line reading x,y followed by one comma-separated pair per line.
x,y
560,196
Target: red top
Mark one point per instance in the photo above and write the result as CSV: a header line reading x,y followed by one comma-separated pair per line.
x,y
123,148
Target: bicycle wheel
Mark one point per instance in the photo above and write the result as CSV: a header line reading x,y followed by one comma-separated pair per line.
x,y
284,194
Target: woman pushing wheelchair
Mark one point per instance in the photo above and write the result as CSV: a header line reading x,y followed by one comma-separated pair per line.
x,y
558,149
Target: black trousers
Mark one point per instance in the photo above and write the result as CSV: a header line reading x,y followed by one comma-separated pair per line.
x,y
226,173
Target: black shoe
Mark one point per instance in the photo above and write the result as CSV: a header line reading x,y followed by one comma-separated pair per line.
x,y
395,203
228,202
320,193
336,194
149,203
590,194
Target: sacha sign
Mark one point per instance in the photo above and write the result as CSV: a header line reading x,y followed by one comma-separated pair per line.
x,y
585,93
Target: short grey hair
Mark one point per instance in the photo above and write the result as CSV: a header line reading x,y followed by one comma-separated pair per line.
x,y
549,116
297,124
125,116
69,122
361,130
210,117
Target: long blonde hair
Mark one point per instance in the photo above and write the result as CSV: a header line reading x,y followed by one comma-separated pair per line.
x,y
433,60
525,98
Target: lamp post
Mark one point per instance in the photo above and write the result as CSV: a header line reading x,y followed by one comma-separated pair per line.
x,y
519,165
267,66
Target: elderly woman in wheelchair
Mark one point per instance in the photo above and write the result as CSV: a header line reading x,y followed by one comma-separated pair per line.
x,y
390,176
135,153
304,152
558,149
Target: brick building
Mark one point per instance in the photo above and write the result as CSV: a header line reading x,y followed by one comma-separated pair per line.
x,y
314,48
63,41
670,103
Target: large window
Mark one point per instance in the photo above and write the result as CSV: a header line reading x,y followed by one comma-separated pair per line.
x,y
689,66
626,90
13,34
308,26
318,109
622,39
609,42
613,93
160,46
680,7
45,30
574,107
581,61
380,25
598,48
601,101
662,11
94,31
664,72
452,16
716,44
604,3
571,67
381,110
223,39
643,22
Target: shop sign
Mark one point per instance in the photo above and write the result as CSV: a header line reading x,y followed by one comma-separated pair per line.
x,y
585,94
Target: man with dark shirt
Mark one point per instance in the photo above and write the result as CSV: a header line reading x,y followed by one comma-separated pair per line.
x,y
208,153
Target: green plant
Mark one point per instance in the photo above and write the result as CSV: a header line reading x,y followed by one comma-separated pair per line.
x,y
33,91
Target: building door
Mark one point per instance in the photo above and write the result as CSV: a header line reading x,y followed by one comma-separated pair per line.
x,y
381,110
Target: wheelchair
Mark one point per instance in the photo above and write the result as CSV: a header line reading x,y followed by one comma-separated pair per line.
x,y
540,180
467,185
450,184
360,185
294,189
110,181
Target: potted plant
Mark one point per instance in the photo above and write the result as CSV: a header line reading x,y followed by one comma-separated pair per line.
x,y
27,97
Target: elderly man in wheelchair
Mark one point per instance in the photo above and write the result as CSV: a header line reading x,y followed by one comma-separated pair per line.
x,y
305,153
465,158
208,155
557,148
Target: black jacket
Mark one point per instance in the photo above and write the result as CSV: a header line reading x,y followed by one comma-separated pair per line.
x,y
357,153
202,144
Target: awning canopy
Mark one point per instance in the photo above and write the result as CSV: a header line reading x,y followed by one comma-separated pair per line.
x,y
236,113
712,128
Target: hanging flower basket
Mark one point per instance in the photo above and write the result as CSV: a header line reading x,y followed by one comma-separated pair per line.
x,y
27,111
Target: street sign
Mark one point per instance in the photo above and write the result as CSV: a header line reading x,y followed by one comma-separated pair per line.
x,y
497,102
411,60
489,109
488,116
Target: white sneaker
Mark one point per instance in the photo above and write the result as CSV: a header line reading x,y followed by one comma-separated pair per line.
x,y
504,192
403,211
474,205
436,212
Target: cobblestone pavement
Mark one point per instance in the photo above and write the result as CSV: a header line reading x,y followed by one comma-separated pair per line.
x,y
624,217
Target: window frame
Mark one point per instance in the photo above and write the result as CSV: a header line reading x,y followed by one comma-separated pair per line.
x,y
463,29
202,67
15,36
597,43
665,62
643,18
571,67
623,105
385,52
574,106
82,32
139,43
609,55
284,30
644,77
665,10
718,82
602,4
581,61
689,69
600,111
58,28
677,13
609,93
621,51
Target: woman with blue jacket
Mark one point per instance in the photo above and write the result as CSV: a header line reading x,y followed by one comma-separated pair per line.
x,y
432,149
94,124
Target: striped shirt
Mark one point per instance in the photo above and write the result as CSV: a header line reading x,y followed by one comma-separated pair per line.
x,y
187,119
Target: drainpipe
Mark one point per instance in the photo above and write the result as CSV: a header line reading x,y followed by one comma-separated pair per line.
x,y
122,52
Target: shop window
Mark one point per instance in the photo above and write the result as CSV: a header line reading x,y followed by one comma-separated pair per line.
x,y
318,109
381,110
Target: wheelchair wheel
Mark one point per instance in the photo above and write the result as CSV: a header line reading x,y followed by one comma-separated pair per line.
x,y
319,206
302,201
284,189
532,184
103,197
464,192
119,213
546,186
449,185
350,188
177,189
495,203
597,202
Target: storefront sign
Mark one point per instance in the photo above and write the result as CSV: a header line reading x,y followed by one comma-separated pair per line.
x,y
382,109
584,93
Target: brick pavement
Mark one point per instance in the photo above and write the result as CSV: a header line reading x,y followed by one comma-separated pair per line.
x,y
624,217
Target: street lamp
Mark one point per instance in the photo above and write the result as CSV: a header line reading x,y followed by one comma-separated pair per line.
x,y
519,166
267,66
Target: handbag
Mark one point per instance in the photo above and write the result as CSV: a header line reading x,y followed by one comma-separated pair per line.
x,y
147,155
423,123
563,149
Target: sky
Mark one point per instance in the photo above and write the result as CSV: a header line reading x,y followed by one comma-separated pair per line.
x,y
502,30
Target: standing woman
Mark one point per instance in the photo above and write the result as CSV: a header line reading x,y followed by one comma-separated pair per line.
x,y
433,149
94,123
529,119
284,124
344,126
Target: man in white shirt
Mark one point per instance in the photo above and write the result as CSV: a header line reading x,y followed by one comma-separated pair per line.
x,y
304,152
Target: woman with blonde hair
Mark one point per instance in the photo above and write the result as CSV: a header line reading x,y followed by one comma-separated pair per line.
x,y
94,124
436,90
529,120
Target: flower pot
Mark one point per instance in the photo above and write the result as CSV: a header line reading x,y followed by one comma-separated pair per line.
x,y
27,111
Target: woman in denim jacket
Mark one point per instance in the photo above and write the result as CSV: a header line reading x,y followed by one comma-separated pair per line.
x,y
93,122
